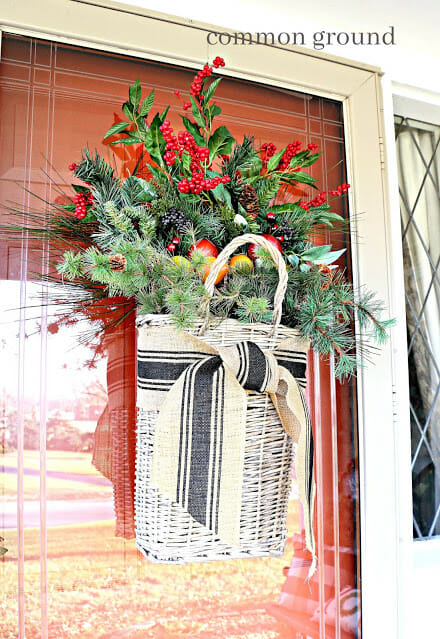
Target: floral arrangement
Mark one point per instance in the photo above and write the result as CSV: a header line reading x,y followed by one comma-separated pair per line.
x,y
154,235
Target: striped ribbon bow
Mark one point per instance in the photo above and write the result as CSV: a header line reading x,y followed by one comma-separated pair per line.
x,y
199,442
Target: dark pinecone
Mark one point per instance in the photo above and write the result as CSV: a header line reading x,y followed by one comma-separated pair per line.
x,y
117,262
173,218
249,201
289,235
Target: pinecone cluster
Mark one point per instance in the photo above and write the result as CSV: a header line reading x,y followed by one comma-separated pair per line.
x,y
288,234
173,218
249,201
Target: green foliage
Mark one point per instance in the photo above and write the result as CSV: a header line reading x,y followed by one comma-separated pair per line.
x,y
134,243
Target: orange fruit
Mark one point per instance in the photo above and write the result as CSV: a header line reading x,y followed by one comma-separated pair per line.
x,y
241,262
207,268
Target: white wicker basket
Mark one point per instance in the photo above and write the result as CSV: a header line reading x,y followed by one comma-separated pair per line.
x,y
165,532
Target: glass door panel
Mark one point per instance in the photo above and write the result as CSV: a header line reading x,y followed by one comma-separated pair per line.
x,y
72,568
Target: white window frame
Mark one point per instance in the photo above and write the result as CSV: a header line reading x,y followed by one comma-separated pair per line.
x,y
423,555
107,26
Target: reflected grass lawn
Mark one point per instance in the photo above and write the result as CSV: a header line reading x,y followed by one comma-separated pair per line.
x,y
100,586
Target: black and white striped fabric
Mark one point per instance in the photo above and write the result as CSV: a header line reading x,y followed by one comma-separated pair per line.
x,y
200,434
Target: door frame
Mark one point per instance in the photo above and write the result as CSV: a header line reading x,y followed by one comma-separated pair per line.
x,y
107,26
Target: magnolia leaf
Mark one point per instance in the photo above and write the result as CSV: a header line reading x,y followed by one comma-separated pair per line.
x,y
135,93
146,105
316,252
293,259
330,257
220,143
304,268
116,128
192,128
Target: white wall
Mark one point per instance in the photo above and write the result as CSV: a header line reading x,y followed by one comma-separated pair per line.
x,y
414,60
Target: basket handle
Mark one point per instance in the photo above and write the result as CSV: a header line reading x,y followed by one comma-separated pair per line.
x,y
222,259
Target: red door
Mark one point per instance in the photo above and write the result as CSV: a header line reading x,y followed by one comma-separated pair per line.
x,y
68,425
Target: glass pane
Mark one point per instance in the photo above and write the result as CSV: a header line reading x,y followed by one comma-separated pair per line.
x,y
418,147
79,571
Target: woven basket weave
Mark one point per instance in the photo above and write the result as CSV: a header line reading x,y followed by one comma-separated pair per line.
x,y
165,532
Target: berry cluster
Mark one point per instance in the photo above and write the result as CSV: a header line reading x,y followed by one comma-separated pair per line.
x,y
73,166
82,201
268,149
197,83
342,188
322,197
184,141
199,183
174,218
312,146
291,150
218,62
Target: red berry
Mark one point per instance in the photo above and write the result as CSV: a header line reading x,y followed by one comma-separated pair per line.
x,y
270,216
176,240
171,247
275,227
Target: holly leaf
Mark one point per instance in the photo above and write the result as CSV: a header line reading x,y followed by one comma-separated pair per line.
x,y
135,93
211,90
275,160
303,178
133,138
214,110
80,189
127,110
286,207
116,128
311,159
146,105
222,194
220,143
192,128
155,141
163,115
196,113
326,217
186,159
145,192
